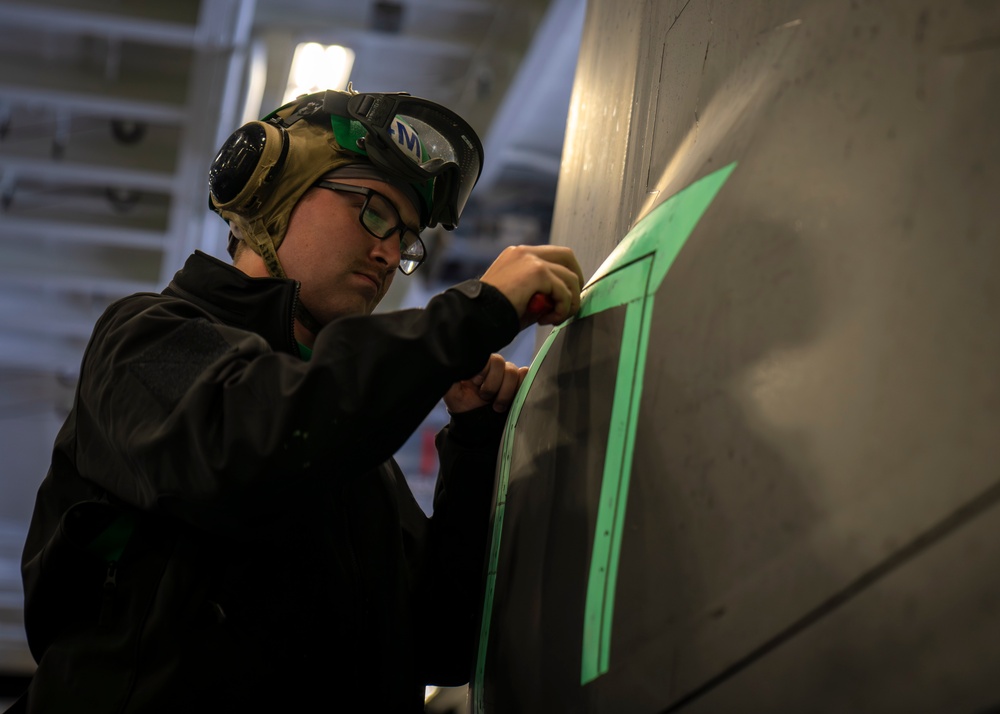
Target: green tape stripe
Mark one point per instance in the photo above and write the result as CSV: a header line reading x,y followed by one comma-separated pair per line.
x,y
503,480
620,287
656,240
623,489
653,243
599,604
665,230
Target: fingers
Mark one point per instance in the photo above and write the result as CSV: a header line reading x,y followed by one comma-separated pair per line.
x,y
555,307
520,272
564,297
500,382
560,255
496,385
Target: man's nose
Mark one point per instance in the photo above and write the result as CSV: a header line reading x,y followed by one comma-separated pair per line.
x,y
387,250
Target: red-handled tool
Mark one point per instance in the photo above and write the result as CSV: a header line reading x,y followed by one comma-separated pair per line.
x,y
540,303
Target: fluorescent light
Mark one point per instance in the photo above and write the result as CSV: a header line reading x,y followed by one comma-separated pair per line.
x,y
316,67
257,81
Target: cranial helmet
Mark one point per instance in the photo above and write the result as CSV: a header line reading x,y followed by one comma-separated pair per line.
x,y
264,167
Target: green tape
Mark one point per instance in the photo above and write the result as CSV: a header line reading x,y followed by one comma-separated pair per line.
x,y
503,480
622,286
665,230
599,603
658,238
631,275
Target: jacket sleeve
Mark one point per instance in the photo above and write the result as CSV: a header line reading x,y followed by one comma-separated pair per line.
x,y
180,413
451,584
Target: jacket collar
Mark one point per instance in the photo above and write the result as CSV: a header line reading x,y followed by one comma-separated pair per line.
x,y
262,305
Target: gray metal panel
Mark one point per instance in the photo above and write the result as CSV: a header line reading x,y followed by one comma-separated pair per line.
x,y
921,640
595,161
821,393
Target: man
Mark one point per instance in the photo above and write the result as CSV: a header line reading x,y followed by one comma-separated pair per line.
x,y
223,527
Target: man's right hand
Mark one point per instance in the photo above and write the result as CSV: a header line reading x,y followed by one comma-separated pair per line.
x,y
521,271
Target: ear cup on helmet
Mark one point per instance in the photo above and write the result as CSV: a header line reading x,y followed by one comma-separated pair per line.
x,y
248,161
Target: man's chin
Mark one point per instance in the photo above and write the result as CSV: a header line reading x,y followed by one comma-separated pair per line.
x,y
361,306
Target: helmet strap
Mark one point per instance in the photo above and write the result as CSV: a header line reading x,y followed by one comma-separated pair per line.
x,y
260,239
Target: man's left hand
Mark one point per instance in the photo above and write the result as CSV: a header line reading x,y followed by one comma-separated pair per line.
x,y
497,384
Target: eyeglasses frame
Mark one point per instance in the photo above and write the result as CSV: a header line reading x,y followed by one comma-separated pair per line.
x,y
401,226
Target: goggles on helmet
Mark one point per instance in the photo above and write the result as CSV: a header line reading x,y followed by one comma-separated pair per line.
x,y
416,140
412,139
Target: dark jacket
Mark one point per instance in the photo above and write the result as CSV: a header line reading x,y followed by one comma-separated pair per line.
x,y
223,527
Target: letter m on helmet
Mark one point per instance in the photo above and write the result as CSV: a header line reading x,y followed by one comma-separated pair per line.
x,y
408,138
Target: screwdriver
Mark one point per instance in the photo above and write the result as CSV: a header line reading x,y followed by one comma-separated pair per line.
x,y
540,303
